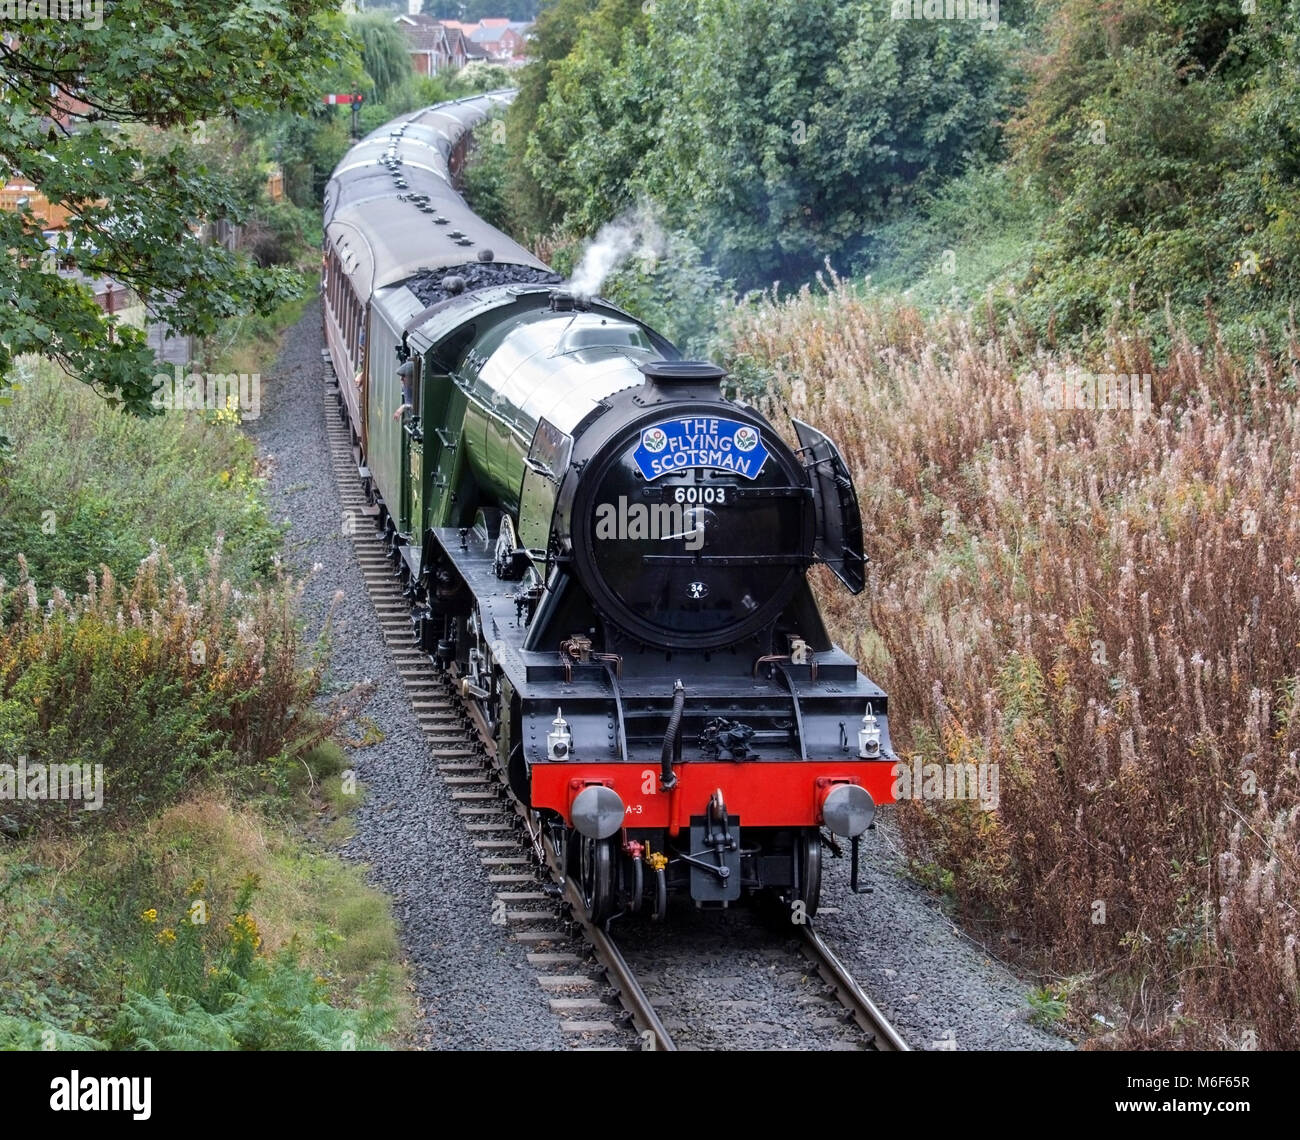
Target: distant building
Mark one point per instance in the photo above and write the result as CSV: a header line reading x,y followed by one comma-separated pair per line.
x,y
19,193
457,48
275,183
495,38
436,46
515,37
426,43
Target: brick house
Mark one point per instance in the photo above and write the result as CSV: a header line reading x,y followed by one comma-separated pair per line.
x,y
427,43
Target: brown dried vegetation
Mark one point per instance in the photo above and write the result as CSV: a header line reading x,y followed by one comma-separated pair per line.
x,y
1106,605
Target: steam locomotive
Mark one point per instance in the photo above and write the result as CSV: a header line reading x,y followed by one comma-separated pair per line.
x,y
606,554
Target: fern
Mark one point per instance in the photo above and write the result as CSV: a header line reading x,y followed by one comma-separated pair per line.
x,y
21,1033
171,1021
277,1006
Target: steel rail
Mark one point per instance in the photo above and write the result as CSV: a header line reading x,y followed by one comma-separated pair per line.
x,y
851,995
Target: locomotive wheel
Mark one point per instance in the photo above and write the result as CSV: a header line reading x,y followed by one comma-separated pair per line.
x,y
808,862
596,878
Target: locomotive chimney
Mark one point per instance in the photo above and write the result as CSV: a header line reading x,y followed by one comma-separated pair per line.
x,y
684,377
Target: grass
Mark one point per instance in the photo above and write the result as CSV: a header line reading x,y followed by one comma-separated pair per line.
x,y
976,234
74,945
1047,1006
1102,604
84,485
251,344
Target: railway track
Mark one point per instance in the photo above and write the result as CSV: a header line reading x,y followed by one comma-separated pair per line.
x,y
589,983
882,1035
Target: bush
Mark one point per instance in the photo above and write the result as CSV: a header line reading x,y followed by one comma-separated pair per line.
x,y
479,76
276,234
205,926
272,1005
1165,134
155,687
31,1036
974,235
207,985
483,178
677,293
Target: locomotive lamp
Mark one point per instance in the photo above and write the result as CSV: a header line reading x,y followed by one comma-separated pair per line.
x,y
559,741
869,737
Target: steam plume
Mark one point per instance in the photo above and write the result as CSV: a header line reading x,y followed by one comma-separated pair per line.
x,y
634,233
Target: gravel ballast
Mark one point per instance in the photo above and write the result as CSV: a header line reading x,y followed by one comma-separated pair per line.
x,y
474,983
475,986
932,982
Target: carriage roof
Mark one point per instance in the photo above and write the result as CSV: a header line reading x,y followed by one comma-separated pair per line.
x,y
379,229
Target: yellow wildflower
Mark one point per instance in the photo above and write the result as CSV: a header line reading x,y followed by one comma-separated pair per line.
x,y
150,915
166,936
244,929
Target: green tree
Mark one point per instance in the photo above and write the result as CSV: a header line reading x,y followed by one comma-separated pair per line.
x,y
554,36
778,132
69,88
1144,164
1081,59
1165,133
383,52
1258,206
581,148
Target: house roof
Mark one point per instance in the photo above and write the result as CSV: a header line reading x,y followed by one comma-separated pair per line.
x,y
423,33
